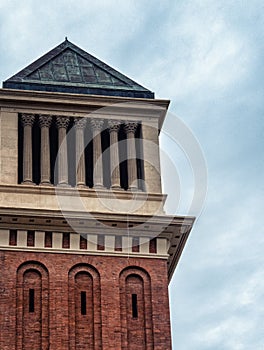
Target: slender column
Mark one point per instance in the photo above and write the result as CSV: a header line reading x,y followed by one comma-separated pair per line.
x,y
27,122
62,124
97,125
79,124
45,122
130,129
113,127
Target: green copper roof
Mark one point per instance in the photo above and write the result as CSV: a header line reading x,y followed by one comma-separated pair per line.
x,y
67,68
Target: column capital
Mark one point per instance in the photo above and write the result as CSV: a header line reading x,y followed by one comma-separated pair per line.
x,y
96,124
45,120
28,119
130,127
113,125
79,123
62,122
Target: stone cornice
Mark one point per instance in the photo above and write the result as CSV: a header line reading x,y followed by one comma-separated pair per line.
x,y
175,229
82,192
29,101
79,252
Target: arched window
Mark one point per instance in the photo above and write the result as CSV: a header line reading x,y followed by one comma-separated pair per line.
x,y
136,309
32,306
84,308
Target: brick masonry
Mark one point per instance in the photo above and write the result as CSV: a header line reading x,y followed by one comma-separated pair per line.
x,y
108,283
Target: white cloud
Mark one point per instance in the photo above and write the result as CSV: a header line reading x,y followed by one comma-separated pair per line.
x,y
204,53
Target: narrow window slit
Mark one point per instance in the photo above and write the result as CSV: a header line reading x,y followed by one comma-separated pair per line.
x,y
31,300
134,306
83,303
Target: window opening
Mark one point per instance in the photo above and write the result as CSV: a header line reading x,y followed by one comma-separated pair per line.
x,y
83,303
31,300
134,306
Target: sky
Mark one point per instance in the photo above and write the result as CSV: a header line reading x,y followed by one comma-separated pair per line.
x,y
207,58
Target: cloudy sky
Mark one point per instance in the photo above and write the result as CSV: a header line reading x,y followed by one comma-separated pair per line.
x,y
207,58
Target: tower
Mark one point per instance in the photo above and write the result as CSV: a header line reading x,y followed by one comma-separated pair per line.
x,y
86,247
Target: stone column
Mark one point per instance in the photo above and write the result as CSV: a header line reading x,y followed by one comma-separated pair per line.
x,y
97,125
27,122
113,127
79,124
62,124
130,129
45,122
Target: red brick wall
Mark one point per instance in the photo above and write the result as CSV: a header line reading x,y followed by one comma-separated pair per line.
x,y
108,283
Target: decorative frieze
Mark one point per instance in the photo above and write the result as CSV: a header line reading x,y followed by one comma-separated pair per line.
x,y
125,245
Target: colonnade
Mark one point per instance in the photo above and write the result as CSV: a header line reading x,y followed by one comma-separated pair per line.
x,y
96,125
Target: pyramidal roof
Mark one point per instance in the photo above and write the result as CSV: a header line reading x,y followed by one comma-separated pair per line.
x,y
67,68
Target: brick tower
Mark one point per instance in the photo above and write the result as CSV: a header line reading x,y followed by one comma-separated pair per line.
x,y
86,249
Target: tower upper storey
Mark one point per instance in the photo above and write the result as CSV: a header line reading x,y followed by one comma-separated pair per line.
x,y
72,121
80,152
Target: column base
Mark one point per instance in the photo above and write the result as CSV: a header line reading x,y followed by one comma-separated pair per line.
x,y
116,188
28,182
81,185
46,183
133,188
64,185
99,187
